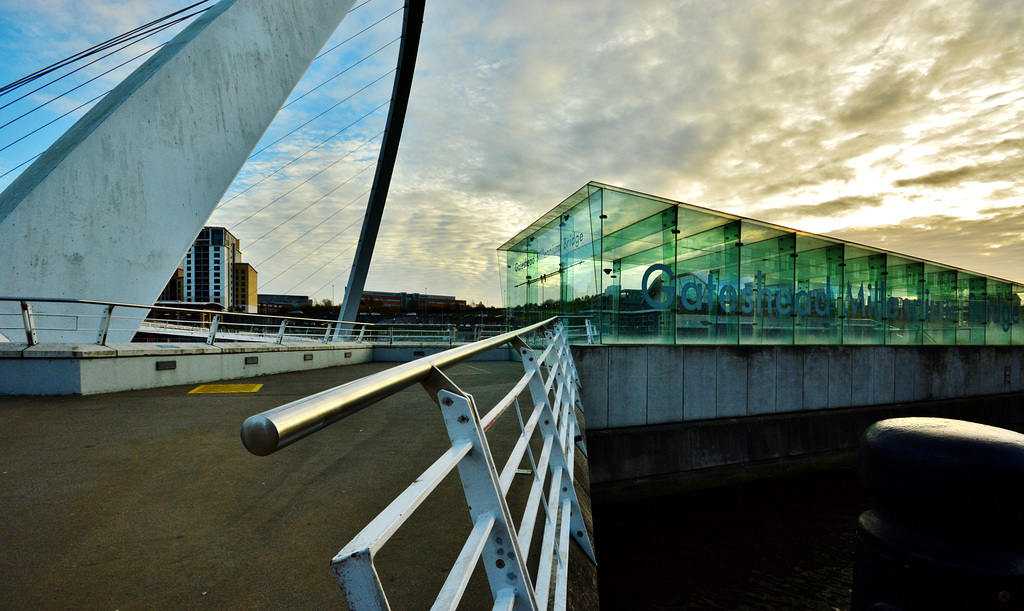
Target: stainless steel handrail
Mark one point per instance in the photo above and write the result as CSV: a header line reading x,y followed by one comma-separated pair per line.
x,y
174,309
274,429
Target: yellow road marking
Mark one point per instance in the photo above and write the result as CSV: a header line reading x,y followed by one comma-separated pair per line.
x,y
224,388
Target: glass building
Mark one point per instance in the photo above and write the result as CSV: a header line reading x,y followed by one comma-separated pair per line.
x,y
648,270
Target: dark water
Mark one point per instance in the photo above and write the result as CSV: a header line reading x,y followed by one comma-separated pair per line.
x,y
782,544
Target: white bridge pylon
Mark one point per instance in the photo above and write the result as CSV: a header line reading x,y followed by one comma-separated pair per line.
x,y
108,211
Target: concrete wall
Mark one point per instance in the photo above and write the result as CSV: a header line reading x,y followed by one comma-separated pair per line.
x,y
52,369
625,386
665,419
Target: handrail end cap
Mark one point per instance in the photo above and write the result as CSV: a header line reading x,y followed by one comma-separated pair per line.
x,y
259,435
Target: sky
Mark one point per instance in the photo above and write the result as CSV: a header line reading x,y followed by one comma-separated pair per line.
x,y
893,124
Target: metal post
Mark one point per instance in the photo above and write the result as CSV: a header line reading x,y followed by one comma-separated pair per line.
x,y
213,329
30,324
280,332
590,331
559,461
504,561
108,314
362,331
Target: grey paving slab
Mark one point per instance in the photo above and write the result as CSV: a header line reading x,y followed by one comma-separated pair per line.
x,y
844,385
664,384
592,365
789,390
627,386
762,380
700,383
882,382
816,377
731,382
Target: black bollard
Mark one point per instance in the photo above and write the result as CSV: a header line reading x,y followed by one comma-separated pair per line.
x,y
948,530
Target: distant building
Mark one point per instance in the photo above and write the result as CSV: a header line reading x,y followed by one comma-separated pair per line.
x,y
175,289
281,304
213,272
245,299
378,301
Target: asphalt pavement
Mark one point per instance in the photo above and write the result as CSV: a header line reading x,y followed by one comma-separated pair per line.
x,y
148,500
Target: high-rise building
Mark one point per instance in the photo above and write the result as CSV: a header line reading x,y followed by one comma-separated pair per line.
x,y
210,270
245,288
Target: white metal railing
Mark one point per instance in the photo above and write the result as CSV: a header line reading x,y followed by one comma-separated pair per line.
x,y
32,317
550,386
448,334
578,329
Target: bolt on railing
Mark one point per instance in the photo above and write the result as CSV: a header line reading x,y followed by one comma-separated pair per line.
x,y
495,539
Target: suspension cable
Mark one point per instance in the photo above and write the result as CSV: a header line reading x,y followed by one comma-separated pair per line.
x,y
364,88
129,35
314,202
318,225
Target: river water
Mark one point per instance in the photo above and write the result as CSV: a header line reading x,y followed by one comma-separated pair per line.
x,y
776,545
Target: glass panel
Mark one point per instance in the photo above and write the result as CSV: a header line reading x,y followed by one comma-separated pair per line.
x,y
772,304
819,276
624,209
940,298
1016,303
904,304
999,313
970,296
640,313
707,282
580,231
864,272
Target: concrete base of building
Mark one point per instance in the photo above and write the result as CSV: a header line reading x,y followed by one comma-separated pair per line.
x,y
657,460
84,369
626,386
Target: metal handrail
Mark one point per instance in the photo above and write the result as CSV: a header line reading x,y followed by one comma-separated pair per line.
x,y
498,542
105,319
175,309
266,433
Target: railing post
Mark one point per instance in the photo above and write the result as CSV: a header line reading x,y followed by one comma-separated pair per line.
x,y
562,427
213,329
359,580
280,332
504,561
362,331
108,314
453,330
590,331
327,335
30,323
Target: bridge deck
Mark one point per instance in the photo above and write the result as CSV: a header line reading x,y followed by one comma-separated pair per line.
x,y
147,499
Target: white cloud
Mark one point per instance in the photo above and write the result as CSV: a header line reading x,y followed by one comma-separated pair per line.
x,y
868,120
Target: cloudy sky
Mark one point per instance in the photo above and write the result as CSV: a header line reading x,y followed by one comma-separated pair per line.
x,y
896,124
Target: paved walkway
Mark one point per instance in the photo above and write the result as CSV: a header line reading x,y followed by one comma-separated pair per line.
x,y
147,499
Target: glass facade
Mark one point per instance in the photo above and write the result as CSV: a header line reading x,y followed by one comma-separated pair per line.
x,y
647,270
